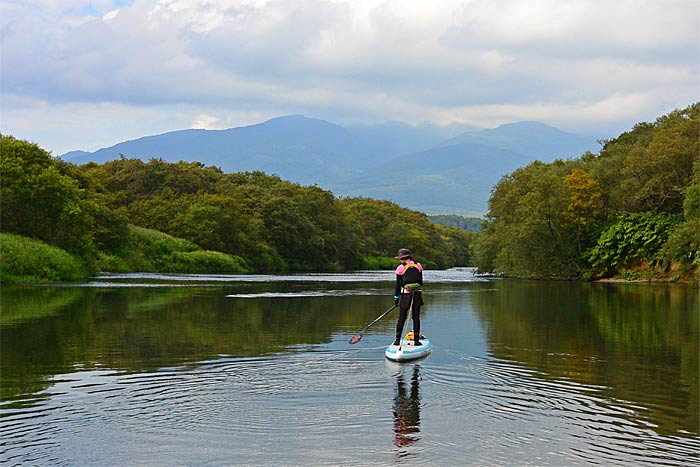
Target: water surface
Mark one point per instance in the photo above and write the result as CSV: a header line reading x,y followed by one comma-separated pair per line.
x,y
161,370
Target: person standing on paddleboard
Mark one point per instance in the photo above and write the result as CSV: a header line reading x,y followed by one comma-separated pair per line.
x,y
407,294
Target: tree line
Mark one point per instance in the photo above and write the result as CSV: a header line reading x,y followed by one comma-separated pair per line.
x,y
633,210
98,213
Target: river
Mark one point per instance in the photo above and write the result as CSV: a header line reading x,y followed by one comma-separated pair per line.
x,y
198,370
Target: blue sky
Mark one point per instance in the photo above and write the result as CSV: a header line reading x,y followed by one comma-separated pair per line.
x,y
87,74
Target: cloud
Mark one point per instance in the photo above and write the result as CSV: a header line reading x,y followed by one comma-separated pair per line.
x,y
587,65
98,125
207,122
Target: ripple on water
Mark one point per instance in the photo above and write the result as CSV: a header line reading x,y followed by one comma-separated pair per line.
x,y
518,409
320,404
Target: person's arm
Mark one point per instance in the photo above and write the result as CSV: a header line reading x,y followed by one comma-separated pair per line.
x,y
397,289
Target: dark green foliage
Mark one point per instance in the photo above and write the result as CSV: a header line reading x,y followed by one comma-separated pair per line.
x,y
41,202
634,205
648,168
386,227
632,239
273,224
377,263
484,248
683,243
47,199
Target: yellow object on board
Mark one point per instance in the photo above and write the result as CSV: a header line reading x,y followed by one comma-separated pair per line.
x,y
409,336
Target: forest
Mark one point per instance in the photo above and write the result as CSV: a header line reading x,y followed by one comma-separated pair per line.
x,y
632,211
61,221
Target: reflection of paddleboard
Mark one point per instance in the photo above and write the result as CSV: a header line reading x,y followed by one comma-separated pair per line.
x,y
407,350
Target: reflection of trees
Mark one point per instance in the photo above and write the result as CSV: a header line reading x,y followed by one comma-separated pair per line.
x,y
641,342
407,410
20,304
49,330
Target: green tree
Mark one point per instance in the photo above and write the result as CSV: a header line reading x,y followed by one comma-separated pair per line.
x,y
531,224
616,210
39,201
633,239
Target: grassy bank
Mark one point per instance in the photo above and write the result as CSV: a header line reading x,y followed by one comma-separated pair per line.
x,y
23,259
153,251
27,260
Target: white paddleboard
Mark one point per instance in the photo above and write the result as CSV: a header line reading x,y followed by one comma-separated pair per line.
x,y
407,350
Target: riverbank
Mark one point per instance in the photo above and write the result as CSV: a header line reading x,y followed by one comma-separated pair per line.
x,y
25,260
676,273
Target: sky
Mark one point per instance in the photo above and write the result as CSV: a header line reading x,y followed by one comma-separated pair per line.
x,y
79,74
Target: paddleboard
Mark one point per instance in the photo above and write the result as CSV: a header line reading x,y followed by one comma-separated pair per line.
x,y
407,350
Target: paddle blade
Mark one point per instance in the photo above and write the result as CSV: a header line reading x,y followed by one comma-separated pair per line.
x,y
355,339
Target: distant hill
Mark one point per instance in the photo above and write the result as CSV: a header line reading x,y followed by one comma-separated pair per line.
x,y
455,179
397,138
297,148
427,168
471,224
533,139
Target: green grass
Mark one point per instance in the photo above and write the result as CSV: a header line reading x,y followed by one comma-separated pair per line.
x,y
24,259
154,251
205,261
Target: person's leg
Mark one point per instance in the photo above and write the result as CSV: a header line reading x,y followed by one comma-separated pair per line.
x,y
415,312
403,312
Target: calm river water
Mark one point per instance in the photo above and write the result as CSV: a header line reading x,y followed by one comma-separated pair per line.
x,y
154,370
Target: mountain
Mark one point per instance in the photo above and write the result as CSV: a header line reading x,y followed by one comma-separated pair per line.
x,y
397,138
297,148
533,139
426,167
454,179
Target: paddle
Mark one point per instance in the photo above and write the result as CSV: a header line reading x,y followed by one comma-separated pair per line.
x,y
356,338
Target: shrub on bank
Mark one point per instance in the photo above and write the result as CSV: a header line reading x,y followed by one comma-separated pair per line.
x,y
204,261
153,251
156,243
24,259
375,263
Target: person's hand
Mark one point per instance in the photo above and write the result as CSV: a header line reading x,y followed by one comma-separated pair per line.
x,y
396,299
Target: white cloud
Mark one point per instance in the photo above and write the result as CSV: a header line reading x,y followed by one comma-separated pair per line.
x,y
588,64
207,122
110,15
91,126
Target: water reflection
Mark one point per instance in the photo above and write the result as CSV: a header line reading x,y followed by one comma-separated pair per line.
x,y
406,409
54,330
640,344
523,373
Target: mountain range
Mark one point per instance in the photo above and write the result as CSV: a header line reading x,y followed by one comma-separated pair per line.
x,y
437,170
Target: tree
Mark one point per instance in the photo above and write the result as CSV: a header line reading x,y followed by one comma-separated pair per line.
x,y
38,201
585,204
607,212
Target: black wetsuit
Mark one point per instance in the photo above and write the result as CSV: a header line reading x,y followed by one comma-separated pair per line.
x,y
413,300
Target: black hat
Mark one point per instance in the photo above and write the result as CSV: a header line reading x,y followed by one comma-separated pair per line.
x,y
404,253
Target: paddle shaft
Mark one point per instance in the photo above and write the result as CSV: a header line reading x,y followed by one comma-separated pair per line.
x,y
359,335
